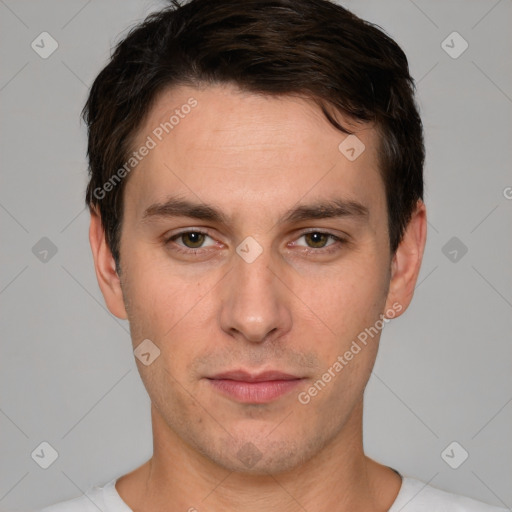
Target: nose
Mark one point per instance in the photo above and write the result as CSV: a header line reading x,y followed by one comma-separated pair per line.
x,y
255,305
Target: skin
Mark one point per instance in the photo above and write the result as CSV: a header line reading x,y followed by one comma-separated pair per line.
x,y
295,309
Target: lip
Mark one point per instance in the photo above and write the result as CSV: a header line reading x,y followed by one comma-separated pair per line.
x,y
258,388
243,376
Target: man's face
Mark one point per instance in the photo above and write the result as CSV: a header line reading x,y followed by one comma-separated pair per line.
x,y
257,289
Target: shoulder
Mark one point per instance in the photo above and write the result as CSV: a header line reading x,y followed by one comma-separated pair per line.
x,y
416,496
103,498
81,504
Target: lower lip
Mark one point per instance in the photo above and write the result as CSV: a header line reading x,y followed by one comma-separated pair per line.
x,y
254,392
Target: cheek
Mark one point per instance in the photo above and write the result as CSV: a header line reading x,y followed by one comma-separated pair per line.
x,y
346,300
351,307
173,312
158,296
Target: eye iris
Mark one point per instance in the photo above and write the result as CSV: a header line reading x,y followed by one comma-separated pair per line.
x,y
196,239
318,239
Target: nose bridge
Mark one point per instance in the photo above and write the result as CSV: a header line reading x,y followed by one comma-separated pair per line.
x,y
254,278
254,307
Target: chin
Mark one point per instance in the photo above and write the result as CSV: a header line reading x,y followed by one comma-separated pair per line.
x,y
253,455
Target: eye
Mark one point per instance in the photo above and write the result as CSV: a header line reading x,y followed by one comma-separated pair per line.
x,y
190,240
318,240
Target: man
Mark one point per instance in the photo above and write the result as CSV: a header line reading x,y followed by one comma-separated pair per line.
x,y
256,214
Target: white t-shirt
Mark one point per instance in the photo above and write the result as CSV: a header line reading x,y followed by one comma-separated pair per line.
x,y
414,496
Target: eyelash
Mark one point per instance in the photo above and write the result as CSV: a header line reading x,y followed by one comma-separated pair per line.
x,y
322,250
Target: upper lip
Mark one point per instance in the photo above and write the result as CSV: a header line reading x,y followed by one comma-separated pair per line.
x,y
244,376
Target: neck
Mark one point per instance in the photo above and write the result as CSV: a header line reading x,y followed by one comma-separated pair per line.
x,y
339,477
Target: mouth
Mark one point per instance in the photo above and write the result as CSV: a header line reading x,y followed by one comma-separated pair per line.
x,y
251,388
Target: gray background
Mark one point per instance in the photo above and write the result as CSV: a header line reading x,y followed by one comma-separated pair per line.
x,y
68,376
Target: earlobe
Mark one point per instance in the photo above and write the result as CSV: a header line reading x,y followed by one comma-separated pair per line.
x,y
406,263
105,268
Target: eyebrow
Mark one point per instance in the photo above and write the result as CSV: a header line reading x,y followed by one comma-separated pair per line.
x,y
332,208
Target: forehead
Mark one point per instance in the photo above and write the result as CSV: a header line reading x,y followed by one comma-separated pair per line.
x,y
227,145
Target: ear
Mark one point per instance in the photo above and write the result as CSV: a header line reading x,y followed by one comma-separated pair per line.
x,y
406,262
105,267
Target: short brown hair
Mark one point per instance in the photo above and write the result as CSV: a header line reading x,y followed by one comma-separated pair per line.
x,y
313,48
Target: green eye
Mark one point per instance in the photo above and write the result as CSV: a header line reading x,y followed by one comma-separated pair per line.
x,y
193,239
316,239
190,241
